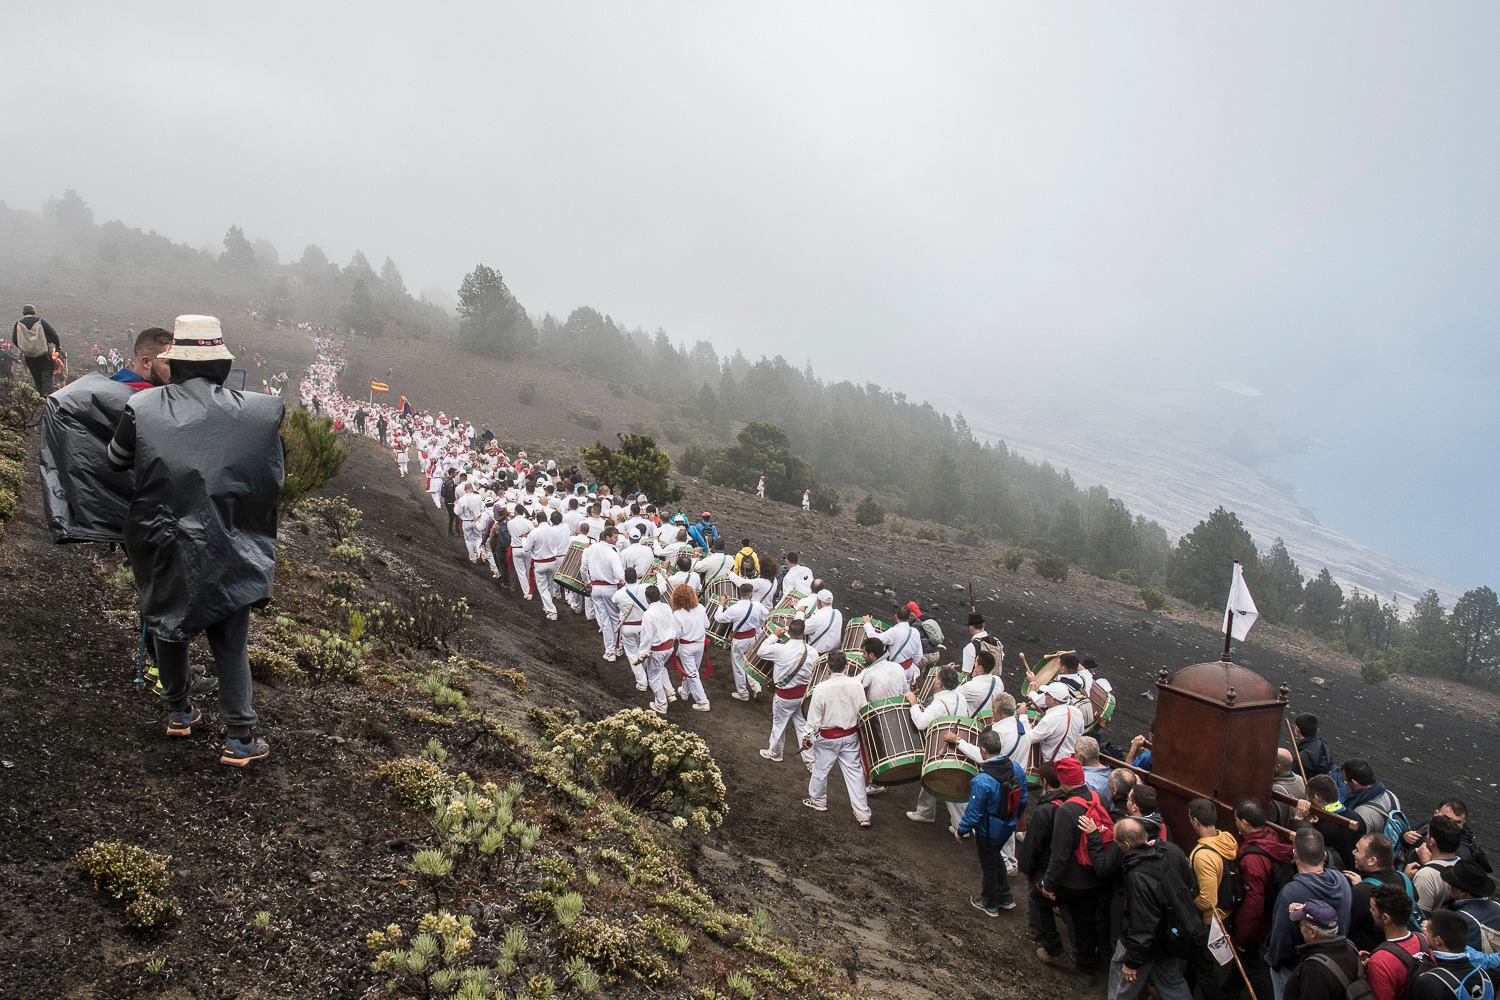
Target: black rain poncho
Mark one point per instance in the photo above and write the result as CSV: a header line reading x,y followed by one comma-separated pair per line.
x,y
201,529
84,498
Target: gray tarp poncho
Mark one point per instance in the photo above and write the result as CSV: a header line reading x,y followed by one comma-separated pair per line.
x,y
201,528
83,498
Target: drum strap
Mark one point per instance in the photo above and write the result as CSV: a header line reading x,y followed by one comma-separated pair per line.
x,y
800,664
1020,731
826,629
1063,738
987,696
741,626
904,643
634,600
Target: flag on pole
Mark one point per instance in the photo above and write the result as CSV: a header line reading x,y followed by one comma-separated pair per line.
x,y
406,410
376,386
1240,613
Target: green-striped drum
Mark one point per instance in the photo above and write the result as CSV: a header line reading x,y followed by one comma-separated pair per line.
x,y
891,744
757,669
946,771
854,632
821,672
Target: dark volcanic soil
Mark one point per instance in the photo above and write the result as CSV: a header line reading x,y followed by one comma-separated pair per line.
x,y
305,835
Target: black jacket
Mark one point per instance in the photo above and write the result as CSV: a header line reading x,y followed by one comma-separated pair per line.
x,y
1063,870
1312,980
1315,756
1146,904
1438,982
1036,850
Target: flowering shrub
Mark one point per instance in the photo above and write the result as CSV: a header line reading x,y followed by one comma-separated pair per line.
x,y
134,874
650,764
435,962
417,780
426,622
334,513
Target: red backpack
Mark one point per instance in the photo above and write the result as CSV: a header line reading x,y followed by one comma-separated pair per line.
x,y
1093,808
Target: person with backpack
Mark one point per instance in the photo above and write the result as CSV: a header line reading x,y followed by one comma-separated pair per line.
x,y
979,639
1266,866
1374,866
1314,881
1069,879
1397,954
997,798
1439,853
1313,755
1216,884
746,562
37,341
1458,812
1320,809
1369,799
1452,975
1469,891
1327,963
1149,952
932,637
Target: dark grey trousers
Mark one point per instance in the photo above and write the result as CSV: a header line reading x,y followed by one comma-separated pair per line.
x,y
227,641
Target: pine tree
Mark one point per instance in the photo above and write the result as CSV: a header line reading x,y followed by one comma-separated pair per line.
x,y
1322,605
1200,568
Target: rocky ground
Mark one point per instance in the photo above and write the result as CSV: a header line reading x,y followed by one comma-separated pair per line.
x,y
307,835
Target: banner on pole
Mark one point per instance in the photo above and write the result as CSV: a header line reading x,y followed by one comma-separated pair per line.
x,y
379,386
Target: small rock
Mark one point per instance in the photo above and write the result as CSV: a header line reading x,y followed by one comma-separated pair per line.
x,y
1319,681
1421,725
338,739
1407,760
856,585
1148,696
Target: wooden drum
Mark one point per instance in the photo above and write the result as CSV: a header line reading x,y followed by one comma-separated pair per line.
x,y
716,597
946,771
570,573
789,600
928,686
756,668
821,672
854,632
891,744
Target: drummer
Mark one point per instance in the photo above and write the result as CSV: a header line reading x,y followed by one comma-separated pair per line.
x,y
1056,732
833,737
637,555
631,604
746,615
685,577
825,626
978,692
715,566
791,660
902,642
945,702
883,678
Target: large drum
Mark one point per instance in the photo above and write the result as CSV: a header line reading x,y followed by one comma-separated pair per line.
x,y
570,573
945,771
821,672
1102,698
756,668
789,601
716,597
1045,672
890,742
928,686
656,574
854,632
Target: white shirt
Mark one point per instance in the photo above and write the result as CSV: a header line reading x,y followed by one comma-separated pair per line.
x,y
836,702
469,507
943,703
967,663
761,587
825,629
631,602
519,527
976,693
902,642
657,626
792,661
797,578
745,616
884,679
689,577
547,541
1015,741
637,557
714,566
602,564
692,625
1057,732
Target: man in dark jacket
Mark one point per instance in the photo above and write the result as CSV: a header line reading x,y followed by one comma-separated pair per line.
x,y
1452,974
997,797
1326,962
1469,892
36,340
201,528
1152,869
1374,866
1313,881
1468,848
1260,851
1323,810
1065,882
1312,753
448,493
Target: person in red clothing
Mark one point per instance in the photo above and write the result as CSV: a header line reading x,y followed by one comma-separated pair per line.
x,y
1392,961
1260,848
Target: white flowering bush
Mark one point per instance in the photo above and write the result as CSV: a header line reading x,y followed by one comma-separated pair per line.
x,y
429,621
435,963
650,765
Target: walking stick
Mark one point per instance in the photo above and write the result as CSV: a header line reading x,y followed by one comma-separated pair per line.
x,y
972,608
140,661
1238,965
1296,750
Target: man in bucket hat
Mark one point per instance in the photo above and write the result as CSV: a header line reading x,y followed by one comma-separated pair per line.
x,y
201,529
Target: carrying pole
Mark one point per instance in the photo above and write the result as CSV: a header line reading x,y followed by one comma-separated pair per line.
x,y
140,661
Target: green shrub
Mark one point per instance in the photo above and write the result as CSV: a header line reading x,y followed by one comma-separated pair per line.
x,y
526,392
13,446
927,534
348,552
899,527
133,874
1154,599
416,780
313,455
1128,576
20,405
637,464
341,583
11,475
8,501
429,621
1013,558
824,499
868,511
650,764
587,419
334,513
1051,567
1374,669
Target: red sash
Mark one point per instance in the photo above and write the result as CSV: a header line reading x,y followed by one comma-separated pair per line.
x,y
836,734
745,635
662,647
796,691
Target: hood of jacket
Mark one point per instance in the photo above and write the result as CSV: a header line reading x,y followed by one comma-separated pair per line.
x,y
1325,885
1222,842
1266,840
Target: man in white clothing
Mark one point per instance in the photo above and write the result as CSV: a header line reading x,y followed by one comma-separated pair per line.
x,y
833,736
601,565
637,556
519,527
902,642
825,626
469,509
658,637
760,488
715,566
684,576
883,678
746,616
545,545
791,660
631,603
980,639
978,692
945,702
692,644
798,577
1056,732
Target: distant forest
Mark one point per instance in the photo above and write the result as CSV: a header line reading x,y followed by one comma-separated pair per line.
x,y
735,418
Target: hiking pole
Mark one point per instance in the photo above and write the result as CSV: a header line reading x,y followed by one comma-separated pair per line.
x,y
1238,965
1296,750
140,662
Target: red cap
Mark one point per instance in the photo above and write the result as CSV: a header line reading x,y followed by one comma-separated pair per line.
x,y
912,607
1069,772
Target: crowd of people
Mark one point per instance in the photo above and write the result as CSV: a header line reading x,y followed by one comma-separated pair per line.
x,y
1324,884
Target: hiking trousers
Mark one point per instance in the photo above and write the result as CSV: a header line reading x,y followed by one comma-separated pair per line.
x,y
227,641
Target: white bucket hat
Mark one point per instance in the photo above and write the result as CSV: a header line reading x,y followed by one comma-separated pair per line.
x,y
197,338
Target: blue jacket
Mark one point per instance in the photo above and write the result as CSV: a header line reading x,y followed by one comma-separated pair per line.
x,y
1329,886
1478,914
982,816
703,534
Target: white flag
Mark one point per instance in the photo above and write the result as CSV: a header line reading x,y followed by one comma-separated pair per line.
x,y
1241,609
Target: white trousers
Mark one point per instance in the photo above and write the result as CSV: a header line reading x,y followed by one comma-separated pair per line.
x,y
784,710
630,645
927,807
657,678
737,650
844,752
602,599
575,601
471,539
522,564
690,658
402,462
545,588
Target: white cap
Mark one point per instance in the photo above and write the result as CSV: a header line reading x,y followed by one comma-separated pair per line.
x,y
825,597
1057,690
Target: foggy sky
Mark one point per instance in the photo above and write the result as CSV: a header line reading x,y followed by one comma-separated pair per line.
x,y
985,205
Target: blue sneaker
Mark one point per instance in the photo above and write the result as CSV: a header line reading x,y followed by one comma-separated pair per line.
x,y
182,723
239,753
988,911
